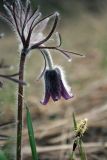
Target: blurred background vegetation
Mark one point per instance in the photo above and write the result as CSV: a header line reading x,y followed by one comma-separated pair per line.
x,y
69,6
83,27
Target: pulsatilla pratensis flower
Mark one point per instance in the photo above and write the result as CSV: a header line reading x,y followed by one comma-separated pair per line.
x,y
55,86
29,27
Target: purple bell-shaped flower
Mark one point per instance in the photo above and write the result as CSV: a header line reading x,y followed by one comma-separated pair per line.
x,y
55,86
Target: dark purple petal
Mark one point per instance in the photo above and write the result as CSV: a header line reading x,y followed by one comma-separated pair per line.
x,y
47,88
52,86
46,98
64,91
65,94
56,97
54,82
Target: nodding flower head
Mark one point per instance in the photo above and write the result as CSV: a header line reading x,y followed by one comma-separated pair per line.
x,y
55,86
29,26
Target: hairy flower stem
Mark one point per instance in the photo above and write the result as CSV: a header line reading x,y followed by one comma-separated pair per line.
x,y
49,58
20,106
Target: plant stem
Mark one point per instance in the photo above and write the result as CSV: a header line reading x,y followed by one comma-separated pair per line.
x,y
49,58
20,106
81,150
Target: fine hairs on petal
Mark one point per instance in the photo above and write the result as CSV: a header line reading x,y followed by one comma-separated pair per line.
x,y
63,77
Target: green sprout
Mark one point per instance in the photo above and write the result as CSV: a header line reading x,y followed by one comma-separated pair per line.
x,y
79,129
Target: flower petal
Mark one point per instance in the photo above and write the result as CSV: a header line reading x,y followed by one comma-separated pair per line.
x,y
46,98
55,88
65,94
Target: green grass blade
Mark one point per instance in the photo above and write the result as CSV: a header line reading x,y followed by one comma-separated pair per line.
x,y
75,127
81,150
31,135
74,121
2,156
71,157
